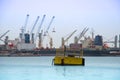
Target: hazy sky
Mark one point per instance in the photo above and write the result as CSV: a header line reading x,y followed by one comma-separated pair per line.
x,y
101,15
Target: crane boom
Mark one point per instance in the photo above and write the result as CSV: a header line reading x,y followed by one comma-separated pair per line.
x,y
70,35
23,30
85,31
50,23
4,34
40,26
34,25
26,21
82,33
63,41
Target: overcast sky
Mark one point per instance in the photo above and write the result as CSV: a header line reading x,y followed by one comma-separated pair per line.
x,y
101,15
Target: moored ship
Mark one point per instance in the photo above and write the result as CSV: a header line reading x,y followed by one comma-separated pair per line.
x,y
25,45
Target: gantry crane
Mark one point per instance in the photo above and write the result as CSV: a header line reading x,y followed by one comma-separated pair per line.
x,y
65,40
31,33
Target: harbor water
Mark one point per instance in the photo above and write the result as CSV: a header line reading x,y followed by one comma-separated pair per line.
x,y
41,68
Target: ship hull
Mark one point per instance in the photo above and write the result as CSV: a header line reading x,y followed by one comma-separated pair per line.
x,y
53,53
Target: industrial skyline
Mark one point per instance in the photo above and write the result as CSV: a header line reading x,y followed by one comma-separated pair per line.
x,y
100,15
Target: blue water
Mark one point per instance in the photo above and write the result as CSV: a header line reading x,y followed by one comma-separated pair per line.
x,y
41,68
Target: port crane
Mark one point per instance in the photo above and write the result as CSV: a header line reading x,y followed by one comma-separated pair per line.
x,y
4,35
115,42
23,30
49,26
40,34
31,33
65,40
6,39
26,21
47,34
81,35
40,26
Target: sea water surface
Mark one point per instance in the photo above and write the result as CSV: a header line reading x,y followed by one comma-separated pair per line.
x,y
41,68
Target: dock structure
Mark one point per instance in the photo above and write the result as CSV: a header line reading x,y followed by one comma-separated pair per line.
x,y
65,58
